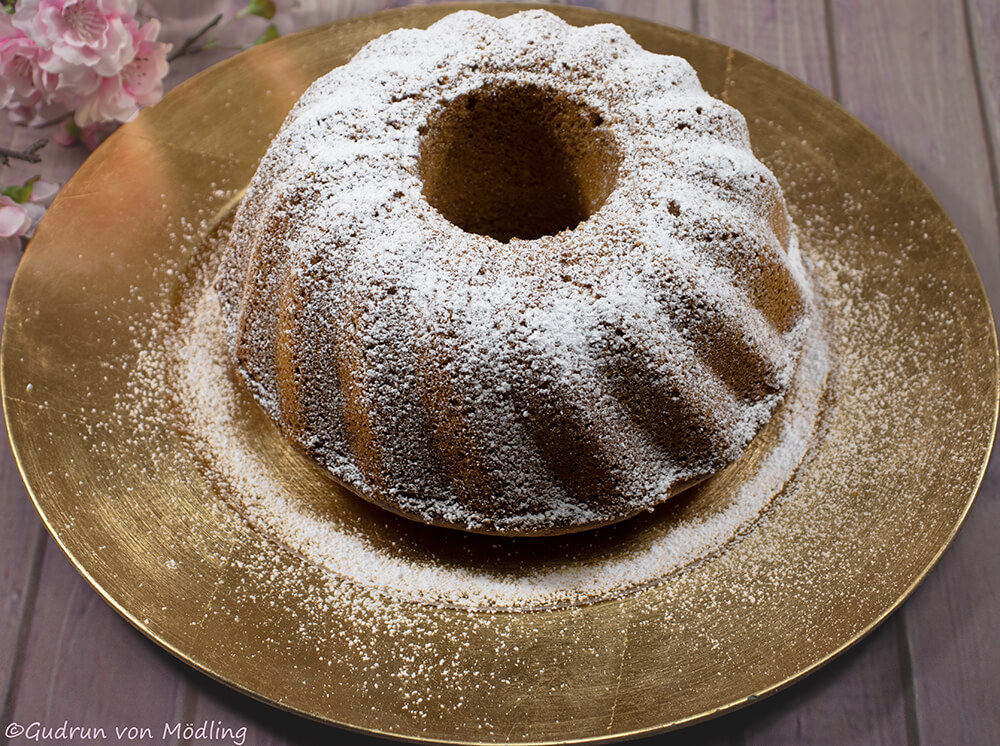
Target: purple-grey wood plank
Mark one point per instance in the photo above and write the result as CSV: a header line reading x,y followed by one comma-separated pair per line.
x,y
861,699
116,646
676,13
919,92
916,88
953,632
83,664
21,534
984,27
58,163
983,20
788,34
23,540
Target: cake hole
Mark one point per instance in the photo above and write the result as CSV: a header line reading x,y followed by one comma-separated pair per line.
x,y
513,160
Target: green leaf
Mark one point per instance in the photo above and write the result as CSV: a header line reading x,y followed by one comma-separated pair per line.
x,y
270,34
22,193
262,8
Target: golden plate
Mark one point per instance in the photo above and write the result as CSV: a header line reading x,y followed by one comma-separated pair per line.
x,y
906,427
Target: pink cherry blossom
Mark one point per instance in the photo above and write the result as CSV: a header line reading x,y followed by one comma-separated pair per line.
x,y
87,56
41,195
23,82
19,219
80,33
14,219
139,83
91,136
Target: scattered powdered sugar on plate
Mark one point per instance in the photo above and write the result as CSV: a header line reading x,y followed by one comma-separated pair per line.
x,y
326,605
589,566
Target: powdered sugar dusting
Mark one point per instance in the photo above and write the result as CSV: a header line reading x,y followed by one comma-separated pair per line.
x,y
385,339
884,482
214,403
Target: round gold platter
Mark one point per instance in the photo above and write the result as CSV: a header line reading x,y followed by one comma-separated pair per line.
x,y
907,423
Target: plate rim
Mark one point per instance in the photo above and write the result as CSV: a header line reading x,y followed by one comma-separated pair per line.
x,y
505,8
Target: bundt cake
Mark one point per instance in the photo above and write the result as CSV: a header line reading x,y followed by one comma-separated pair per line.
x,y
514,277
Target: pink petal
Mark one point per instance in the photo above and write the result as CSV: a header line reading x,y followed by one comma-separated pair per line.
x,y
34,213
43,191
14,221
64,138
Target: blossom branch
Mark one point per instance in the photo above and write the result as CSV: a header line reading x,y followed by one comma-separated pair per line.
x,y
186,47
29,154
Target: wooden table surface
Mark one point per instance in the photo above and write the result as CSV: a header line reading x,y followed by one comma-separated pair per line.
x,y
926,76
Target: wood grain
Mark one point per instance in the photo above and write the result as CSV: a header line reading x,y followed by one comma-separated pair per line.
x,y
953,633
863,696
928,82
984,27
983,22
85,664
678,13
921,97
789,35
21,537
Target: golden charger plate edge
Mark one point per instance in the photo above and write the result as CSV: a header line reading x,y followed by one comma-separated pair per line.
x,y
13,311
